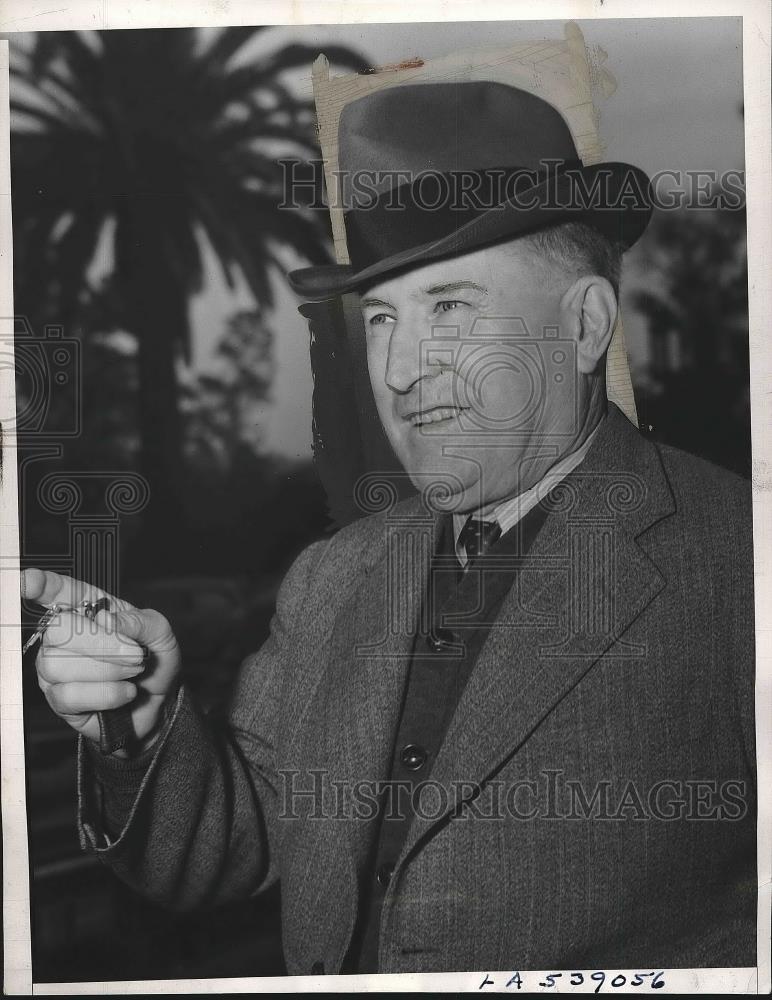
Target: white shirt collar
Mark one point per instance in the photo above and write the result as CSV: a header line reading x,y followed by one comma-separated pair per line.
x,y
508,512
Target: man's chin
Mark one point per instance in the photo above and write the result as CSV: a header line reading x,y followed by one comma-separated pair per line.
x,y
444,481
443,491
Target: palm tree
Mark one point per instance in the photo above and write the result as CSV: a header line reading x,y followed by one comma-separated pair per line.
x,y
152,138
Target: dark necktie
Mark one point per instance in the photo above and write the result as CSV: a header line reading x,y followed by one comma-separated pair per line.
x,y
476,538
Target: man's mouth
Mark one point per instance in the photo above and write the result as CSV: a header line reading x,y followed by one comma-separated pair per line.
x,y
433,415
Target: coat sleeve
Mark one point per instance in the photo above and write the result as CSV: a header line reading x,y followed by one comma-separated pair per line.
x,y
202,827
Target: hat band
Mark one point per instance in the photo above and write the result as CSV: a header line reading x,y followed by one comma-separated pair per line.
x,y
435,205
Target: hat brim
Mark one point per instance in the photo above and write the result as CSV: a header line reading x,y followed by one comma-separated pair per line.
x,y
622,218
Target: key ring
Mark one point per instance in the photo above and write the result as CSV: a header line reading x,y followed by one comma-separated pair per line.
x,y
92,608
88,608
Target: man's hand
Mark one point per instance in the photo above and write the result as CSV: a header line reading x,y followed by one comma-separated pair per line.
x,y
125,656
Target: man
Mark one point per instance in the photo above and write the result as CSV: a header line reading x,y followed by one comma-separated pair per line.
x,y
507,723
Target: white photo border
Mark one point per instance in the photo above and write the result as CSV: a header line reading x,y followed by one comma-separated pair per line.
x,y
36,15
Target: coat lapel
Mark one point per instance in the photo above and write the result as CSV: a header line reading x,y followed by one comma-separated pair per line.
x,y
582,584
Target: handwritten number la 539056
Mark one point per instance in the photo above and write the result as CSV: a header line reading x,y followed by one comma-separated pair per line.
x,y
656,980
599,977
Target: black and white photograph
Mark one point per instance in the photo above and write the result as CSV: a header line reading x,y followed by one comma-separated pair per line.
x,y
386,438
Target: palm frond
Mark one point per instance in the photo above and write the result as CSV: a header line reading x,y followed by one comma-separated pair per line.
x,y
83,63
48,47
295,55
60,163
75,253
227,44
55,119
243,81
55,84
184,251
260,215
234,135
210,211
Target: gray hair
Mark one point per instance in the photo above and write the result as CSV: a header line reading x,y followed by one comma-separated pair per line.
x,y
578,248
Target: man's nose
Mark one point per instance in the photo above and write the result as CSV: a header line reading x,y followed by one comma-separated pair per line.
x,y
405,365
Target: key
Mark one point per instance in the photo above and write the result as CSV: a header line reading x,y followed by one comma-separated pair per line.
x,y
48,616
50,613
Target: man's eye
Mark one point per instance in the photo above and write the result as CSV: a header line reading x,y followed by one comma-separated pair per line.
x,y
379,318
447,304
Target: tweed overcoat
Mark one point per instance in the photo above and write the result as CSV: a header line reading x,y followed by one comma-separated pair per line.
x,y
593,804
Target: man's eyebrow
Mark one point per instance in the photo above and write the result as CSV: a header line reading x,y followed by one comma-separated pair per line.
x,y
455,286
375,302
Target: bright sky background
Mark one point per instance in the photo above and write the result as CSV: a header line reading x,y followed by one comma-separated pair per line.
x,y
679,89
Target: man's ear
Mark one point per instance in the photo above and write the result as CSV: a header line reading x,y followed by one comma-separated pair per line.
x,y
589,312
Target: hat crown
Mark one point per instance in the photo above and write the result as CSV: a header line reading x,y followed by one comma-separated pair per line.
x,y
434,170
447,127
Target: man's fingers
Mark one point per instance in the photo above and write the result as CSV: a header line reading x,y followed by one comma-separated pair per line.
x,y
76,697
84,664
57,667
46,587
33,583
75,635
108,635
147,627
123,621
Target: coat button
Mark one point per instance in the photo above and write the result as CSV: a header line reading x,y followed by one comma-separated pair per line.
x,y
317,969
440,640
384,873
413,757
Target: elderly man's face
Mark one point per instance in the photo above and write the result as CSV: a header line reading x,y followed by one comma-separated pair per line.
x,y
474,372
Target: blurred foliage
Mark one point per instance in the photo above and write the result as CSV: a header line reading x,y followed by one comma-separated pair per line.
x,y
696,395
221,406
129,146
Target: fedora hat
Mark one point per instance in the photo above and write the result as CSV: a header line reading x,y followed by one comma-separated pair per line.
x,y
439,169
